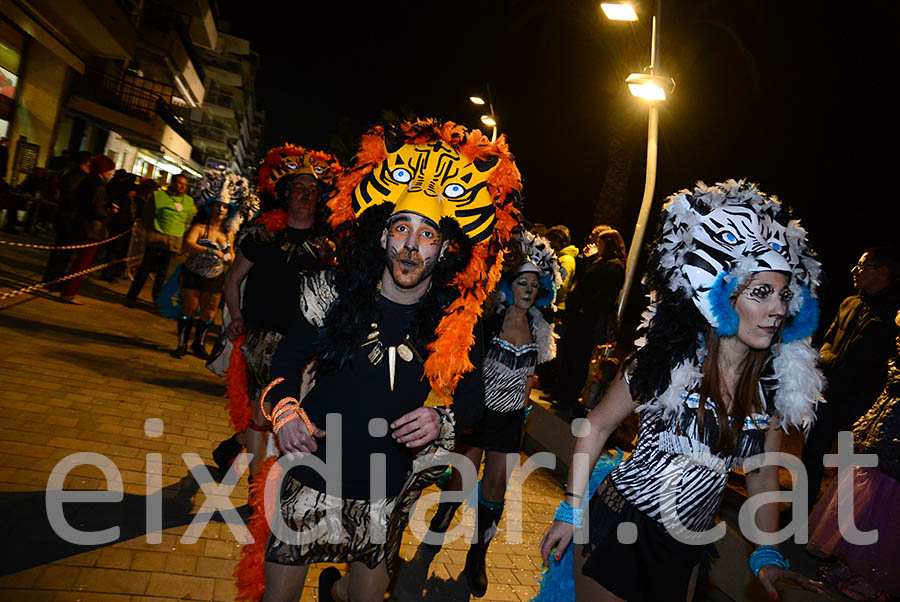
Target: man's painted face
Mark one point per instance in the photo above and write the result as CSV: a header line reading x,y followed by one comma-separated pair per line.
x,y
525,290
761,307
413,245
302,194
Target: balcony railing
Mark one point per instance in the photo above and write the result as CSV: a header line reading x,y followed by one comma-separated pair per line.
x,y
221,99
214,60
133,95
212,133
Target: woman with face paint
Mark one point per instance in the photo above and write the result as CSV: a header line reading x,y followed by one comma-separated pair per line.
x,y
724,363
210,247
520,337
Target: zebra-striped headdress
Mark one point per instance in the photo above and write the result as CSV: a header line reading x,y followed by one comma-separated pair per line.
x,y
711,239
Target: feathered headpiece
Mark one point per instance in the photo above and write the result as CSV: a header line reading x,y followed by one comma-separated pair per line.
x,y
398,164
220,186
711,239
292,159
532,253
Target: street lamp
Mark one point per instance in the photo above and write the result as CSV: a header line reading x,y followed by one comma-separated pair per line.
x,y
651,88
490,119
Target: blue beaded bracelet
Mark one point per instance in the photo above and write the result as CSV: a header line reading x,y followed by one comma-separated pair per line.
x,y
764,555
567,514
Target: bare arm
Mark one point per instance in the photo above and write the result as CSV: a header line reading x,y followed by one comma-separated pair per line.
x,y
615,406
190,241
232,291
762,480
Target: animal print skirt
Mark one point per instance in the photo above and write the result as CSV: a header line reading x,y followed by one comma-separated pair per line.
x,y
259,347
318,527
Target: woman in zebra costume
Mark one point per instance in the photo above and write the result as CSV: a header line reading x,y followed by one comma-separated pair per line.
x,y
520,337
723,365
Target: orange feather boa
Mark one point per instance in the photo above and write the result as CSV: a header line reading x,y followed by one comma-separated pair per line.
x,y
236,388
250,571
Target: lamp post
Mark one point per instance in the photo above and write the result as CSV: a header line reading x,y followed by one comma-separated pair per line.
x,y
652,88
490,119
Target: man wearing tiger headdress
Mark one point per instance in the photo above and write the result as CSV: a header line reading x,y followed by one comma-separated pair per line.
x,y
272,253
423,212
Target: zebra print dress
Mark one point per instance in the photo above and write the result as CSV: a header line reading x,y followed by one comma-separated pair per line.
x,y
673,468
506,372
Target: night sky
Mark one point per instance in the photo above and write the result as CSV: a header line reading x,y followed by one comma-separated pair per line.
x,y
792,95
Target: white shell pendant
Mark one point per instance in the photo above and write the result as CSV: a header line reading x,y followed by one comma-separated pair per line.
x,y
405,352
392,363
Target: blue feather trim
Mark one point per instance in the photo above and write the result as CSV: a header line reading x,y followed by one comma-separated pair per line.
x,y
546,284
506,291
557,581
806,321
720,304
169,300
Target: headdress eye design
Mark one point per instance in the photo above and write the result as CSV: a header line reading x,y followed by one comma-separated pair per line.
x,y
454,191
728,238
319,170
402,175
775,246
291,166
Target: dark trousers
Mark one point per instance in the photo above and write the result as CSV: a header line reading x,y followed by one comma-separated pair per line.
x,y
156,260
831,418
117,249
58,262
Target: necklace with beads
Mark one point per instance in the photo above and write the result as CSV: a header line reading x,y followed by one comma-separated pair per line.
x,y
406,350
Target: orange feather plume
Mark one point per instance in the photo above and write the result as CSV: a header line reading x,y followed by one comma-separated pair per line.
x,y
250,571
238,406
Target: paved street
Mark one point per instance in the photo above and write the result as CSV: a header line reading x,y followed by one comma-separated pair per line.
x,y
85,379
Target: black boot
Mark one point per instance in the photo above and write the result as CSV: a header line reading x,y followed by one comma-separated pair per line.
x,y
225,454
476,569
440,522
184,334
198,347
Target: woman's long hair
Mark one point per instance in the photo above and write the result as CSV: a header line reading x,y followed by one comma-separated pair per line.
x,y
745,400
613,243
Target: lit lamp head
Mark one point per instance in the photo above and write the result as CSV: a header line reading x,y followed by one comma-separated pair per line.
x,y
649,87
618,11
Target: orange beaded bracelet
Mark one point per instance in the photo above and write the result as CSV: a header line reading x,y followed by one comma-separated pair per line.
x,y
286,410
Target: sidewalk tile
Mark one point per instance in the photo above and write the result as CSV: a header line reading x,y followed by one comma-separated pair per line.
x,y
219,568
115,558
182,564
148,561
57,576
112,581
181,586
224,590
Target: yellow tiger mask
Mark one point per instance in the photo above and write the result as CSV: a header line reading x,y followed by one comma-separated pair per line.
x,y
434,181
